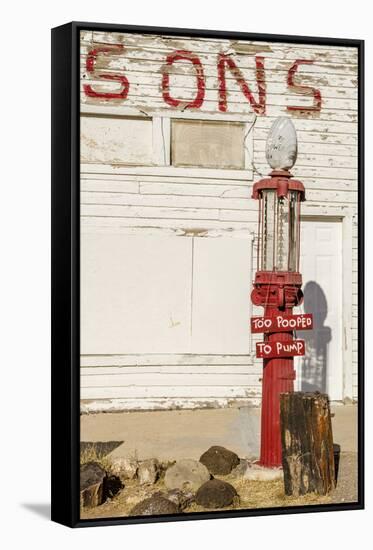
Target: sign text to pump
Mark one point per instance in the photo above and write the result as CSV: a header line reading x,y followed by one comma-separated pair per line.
x,y
292,348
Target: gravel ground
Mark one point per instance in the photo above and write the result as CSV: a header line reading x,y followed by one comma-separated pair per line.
x,y
346,490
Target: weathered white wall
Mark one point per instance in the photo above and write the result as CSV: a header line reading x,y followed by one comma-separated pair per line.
x,y
197,222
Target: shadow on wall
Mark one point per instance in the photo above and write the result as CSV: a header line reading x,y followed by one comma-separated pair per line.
x,y
314,366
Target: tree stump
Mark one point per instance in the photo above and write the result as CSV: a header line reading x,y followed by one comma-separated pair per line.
x,y
307,443
92,484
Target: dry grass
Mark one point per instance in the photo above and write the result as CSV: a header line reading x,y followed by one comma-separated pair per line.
x,y
92,454
252,495
263,494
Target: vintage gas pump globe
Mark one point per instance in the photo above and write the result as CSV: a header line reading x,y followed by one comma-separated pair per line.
x,y
279,199
277,284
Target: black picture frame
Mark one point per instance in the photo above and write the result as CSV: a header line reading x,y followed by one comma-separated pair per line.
x,y
66,272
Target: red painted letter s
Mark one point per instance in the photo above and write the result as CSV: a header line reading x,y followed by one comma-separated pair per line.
x,y
298,88
90,65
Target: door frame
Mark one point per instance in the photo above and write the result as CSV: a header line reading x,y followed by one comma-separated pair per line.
x,y
346,218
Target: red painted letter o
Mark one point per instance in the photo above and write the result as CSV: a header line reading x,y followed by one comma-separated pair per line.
x,y
189,56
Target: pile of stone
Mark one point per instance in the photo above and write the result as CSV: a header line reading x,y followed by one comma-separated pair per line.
x,y
186,481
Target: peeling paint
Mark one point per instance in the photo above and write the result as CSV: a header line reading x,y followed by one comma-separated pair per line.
x,y
194,232
241,47
298,88
91,406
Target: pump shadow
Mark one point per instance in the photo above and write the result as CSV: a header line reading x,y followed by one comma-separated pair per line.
x,y
314,365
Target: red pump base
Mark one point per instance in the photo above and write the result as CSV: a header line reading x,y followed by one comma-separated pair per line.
x,y
277,292
278,377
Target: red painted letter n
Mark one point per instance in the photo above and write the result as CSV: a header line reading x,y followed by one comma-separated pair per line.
x,y
225,61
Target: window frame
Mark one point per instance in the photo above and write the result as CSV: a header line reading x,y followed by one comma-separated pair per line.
x,y
161,157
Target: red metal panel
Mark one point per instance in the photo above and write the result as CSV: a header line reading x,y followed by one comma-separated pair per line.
x,y
282,323
278,377
280,179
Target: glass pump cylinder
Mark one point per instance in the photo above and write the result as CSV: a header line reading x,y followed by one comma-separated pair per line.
x,y
278,231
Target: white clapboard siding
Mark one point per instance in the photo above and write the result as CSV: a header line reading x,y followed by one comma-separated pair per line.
x,y
196,201
183,390
104,380
167,403
130,196
159,360
226,370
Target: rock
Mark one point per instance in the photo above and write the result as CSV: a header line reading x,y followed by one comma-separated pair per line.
x,y
180,498
255,472
92,484
186,474
113,485
183,499
240,470
124,468
219,460
216,494
148,471
153,506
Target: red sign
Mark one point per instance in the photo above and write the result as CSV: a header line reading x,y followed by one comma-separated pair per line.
x,y
282,323
291,348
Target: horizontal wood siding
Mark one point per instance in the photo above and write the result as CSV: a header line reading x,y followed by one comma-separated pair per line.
x,y
160,199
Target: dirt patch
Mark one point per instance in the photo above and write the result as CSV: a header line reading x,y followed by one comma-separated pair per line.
x,y
346,490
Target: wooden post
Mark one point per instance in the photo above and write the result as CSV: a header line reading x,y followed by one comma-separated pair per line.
x,y
307,443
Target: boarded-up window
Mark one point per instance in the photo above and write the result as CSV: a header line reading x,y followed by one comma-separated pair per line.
x,y
116,140
150,294
209,144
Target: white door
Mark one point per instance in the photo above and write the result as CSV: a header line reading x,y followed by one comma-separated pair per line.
x,y
321,267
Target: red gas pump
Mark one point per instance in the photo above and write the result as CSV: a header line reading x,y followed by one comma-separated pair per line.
x,y
277,285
